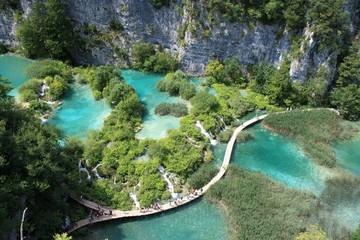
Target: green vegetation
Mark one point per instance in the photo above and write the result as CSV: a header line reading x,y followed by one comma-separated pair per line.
x,y
228,72
55,74
244,136
47,32
30,90
14,4
345,96
258,208
176,84
313,232
339,192
314,129
202,176
160,3
5,87
174,109
33,165
3,48
204,103
147,59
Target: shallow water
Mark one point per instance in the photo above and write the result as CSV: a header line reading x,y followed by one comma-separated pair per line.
x,y
154,126
80,112
13,68
276,156
199,220
348,155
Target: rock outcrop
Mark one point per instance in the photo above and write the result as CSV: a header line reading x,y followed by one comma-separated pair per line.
x,y
141,21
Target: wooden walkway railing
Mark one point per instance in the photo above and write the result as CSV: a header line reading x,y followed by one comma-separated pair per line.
x,y
109,214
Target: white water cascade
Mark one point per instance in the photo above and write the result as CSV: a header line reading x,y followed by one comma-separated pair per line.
x,y
84,169
134,198
44,88
96,171
174,195
205,133
222,120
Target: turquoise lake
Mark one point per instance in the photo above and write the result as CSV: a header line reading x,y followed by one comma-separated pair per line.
x,y
201,220
13,68
154,126
276,156
348,155
79,112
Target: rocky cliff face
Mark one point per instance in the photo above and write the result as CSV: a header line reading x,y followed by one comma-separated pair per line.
x,y
160,27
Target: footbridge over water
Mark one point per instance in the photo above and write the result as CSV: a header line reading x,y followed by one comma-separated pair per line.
x,y
110,214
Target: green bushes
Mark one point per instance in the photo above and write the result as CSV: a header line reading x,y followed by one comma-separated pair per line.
x,y
258,208
3,48
244,136
204,103
177,84
30,90
315,129
14,4
202,176
160,3
228,72
147,59
174,109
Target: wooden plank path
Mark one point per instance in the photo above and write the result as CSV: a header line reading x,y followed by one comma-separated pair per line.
x,y
117,214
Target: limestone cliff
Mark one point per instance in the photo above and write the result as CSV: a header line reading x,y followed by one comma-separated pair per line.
x,y
141,21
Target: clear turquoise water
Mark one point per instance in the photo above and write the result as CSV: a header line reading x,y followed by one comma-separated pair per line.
x,y
277,157
13,68
154,126
348,155
198,221
80,112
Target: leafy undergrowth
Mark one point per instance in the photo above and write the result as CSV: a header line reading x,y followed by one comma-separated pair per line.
x,y
316,130
259,208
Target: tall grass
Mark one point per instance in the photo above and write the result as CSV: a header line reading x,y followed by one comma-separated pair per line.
x,y
316,130
259,208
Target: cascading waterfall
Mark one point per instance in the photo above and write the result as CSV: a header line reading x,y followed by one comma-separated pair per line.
x,y
174,195
44,87
223,122
96,171
205,133
84,169
134,198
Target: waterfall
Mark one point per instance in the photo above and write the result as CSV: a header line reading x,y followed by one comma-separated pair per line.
x,y
83,169
205,133
96,171
43,118
222,120
134,198
44,87
174,195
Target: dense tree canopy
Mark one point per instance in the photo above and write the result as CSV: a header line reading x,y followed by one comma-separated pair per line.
x,y
47,32
32,166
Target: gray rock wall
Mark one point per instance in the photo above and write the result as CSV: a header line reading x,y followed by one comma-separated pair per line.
x,y
142,22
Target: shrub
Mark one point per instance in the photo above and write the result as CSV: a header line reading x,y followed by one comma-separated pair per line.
x,y
202,176
30,90
174,109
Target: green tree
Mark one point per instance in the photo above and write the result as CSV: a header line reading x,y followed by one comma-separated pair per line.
x,y
204,103
215,69
47,32
347,100
141,51
5,87
278,88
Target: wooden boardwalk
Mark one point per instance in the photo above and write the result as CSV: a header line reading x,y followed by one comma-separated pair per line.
x,y
117,214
